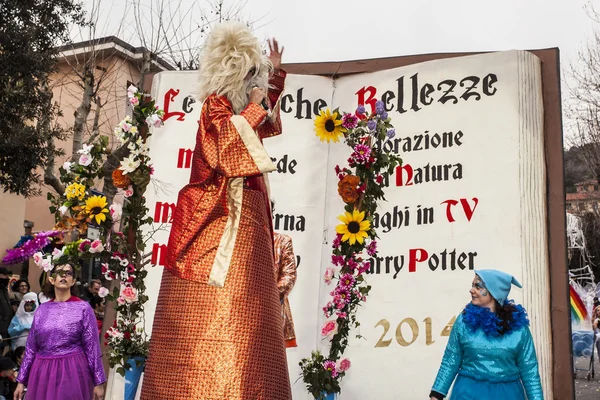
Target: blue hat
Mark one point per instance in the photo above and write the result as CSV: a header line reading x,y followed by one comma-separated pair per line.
x,y
498,283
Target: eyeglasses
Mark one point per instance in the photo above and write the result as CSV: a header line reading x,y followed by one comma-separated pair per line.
x,y
63,273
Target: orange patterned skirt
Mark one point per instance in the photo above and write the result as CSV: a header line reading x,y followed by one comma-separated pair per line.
x,y
211,343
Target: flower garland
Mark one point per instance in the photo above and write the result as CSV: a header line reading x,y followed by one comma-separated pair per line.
x,y
360,186
119,252
29,248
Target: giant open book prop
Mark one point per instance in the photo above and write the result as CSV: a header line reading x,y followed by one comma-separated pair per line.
x,y
471,193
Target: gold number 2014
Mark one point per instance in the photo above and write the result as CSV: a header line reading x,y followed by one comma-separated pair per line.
x,y
414,327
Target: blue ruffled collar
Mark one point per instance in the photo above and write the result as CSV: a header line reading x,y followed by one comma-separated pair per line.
x,y
476,317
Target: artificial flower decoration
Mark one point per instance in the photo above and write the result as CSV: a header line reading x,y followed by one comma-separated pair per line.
x,y
75,191
354,228
129,164
120,180
328,126
96,208
347,188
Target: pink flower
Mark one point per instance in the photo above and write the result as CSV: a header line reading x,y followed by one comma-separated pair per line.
x,y
120,300
337,242
329,329
361,154
349,121
365,267
129,294
103,292
151,168
134,101
38,257
116,210
83,245
130,269
96,247
126,127
337,260
104,268
343,365
85,159
372,248
330,366
347,280
351,264
46,265
328,276
341,315
128,192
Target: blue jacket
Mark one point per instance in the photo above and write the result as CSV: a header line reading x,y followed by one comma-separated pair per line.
x,y
476,350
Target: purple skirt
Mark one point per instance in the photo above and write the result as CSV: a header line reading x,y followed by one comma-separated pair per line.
x,y
65,377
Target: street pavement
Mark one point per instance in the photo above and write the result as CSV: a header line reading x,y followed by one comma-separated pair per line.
x,y
584,389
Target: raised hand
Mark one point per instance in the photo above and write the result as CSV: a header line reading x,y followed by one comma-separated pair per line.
x,y
275,53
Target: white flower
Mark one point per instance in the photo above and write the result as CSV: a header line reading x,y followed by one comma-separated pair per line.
x,y
63,210
116,210
108,276
85,149
85,159
96,246
67,166
154,120
133,130
129,164
131,90
103,292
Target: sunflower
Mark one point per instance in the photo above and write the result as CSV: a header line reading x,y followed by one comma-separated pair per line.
x,y
354,227
328,126
95,207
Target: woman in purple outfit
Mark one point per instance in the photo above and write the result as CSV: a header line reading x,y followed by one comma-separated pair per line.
x,y
62,357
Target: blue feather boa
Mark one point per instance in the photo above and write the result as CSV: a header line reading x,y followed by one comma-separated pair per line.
x,y
476,317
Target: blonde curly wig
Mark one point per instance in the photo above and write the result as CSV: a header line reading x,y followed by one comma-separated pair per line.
x,y
229,54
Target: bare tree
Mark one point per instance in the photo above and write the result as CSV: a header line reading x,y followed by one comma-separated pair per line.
x,y
168,30
583,105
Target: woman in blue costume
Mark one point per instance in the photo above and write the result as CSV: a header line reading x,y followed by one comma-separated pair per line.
x,y
490,347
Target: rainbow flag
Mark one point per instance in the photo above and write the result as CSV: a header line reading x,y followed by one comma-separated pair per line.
x,y
578,310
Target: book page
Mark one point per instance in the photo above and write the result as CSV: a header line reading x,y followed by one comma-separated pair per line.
x,y
469,195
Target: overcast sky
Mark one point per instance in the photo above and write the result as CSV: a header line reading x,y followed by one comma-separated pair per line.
x,y
337,30
329,30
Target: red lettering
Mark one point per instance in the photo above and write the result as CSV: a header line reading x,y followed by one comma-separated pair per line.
x,y
467,208
415,256
465,205
371,100
184,158
163,212
159,252
169,98
449,204
399,174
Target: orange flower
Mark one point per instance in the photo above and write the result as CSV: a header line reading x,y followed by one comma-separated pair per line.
x,y
347,188
120,180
